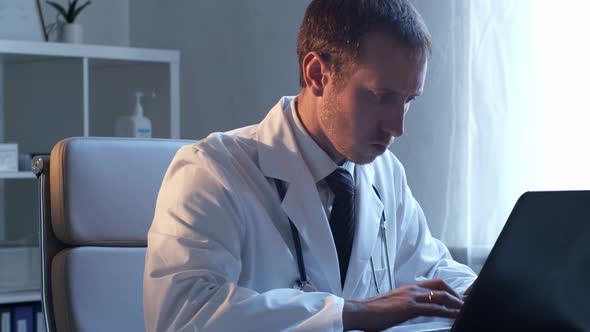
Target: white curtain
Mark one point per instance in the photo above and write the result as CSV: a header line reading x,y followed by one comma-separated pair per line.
x,y
521,113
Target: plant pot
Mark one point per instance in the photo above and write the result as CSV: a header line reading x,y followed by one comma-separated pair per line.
x,y
71,33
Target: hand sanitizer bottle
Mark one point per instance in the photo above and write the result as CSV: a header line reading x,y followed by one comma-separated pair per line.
x,y
136,125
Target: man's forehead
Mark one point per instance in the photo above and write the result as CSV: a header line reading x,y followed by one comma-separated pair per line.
x,y
399,73
377,42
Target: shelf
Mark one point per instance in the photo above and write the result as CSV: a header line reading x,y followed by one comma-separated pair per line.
x,y
20,297
14,51
17,175
51,91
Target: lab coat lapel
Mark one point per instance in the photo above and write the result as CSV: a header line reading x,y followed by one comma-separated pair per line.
x,y
280,158
369,209
303,206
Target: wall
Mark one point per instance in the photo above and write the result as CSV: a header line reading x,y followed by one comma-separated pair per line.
x,y
237,57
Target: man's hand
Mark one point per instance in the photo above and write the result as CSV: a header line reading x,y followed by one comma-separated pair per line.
x,y
428,298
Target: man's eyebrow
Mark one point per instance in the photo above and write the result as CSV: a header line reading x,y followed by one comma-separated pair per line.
x,y
394,92
384,90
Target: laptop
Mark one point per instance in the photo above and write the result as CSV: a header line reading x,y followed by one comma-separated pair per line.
x,y
537,276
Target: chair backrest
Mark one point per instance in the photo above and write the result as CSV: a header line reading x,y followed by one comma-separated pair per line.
x,y
97,199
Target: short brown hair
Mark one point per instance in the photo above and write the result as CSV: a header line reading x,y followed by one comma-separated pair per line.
x,y
335,29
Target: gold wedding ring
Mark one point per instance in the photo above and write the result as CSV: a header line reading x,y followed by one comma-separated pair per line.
x,y
430,296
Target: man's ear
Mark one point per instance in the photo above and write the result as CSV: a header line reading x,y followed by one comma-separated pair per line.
x,y
316,73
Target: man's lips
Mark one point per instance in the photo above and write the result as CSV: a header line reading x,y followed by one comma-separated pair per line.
x,y
380,147
384,142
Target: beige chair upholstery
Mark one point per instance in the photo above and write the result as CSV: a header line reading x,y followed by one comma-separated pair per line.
x,y
97,198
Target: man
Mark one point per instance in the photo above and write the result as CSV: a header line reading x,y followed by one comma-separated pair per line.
x,y
305,221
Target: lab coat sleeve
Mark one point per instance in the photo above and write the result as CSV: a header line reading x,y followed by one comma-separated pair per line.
x,y
419,255
193,262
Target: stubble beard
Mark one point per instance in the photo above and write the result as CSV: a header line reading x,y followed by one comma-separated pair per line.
x,y
329,119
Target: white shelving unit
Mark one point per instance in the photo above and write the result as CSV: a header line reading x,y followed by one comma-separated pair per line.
x,y
20,297
50,91
25,52
17,175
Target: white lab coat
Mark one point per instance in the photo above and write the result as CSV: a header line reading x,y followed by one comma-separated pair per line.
x,y
220,253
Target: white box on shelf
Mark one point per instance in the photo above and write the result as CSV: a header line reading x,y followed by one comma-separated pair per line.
x,y
8,157
21,268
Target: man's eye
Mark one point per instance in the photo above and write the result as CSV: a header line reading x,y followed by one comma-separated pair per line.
x,y
411,99
372,96
380,98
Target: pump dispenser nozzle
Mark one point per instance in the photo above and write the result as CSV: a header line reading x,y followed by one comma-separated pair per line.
x,y
138,109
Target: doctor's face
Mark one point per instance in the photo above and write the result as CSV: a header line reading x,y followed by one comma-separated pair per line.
x,y
361,115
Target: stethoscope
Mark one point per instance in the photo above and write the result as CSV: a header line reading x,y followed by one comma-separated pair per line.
x,y
302,283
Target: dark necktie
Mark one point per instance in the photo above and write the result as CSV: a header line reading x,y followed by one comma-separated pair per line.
x,y
342,216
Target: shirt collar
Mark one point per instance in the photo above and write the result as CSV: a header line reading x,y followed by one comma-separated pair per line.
x,y
318,161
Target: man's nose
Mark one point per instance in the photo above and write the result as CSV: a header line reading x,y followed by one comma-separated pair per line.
x,y
394,121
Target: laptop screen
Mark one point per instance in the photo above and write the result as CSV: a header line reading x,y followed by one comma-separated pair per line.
x,y
537,276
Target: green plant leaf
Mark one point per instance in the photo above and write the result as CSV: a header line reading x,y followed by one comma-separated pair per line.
x,y
80,9
71,7
61,10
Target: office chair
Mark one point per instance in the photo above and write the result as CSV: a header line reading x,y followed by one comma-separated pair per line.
x,y
96,201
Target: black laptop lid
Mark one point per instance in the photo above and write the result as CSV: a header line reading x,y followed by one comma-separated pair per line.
x,y
537,276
